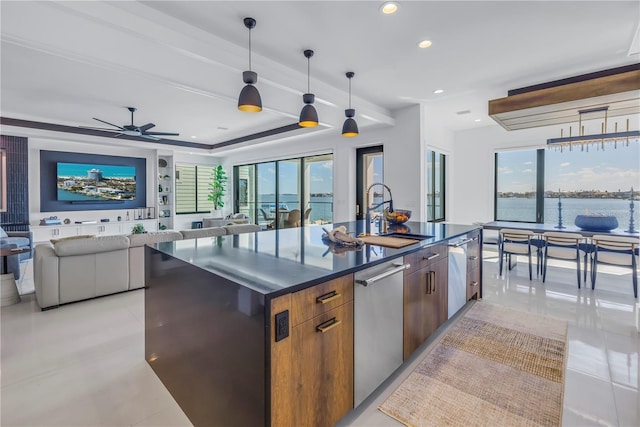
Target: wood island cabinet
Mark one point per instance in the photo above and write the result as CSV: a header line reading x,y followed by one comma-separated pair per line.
x,y
312,368
425,295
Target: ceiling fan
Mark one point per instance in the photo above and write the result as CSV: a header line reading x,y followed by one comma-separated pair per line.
x,y
133,130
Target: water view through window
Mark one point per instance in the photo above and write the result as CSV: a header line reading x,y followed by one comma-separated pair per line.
x,y
593,182
275,194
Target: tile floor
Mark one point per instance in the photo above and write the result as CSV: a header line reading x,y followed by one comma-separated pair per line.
x,y
83,364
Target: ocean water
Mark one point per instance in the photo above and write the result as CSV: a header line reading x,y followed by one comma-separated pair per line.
x,y
523,209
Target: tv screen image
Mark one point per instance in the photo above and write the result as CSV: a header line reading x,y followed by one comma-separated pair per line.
x,y
95,182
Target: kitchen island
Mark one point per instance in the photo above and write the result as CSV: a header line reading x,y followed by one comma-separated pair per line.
x,y
257,329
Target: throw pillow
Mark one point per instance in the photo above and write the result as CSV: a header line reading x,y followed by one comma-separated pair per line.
x,y
3,233
82,236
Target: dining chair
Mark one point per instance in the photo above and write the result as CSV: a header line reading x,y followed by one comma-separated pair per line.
x,y
566,246
307,212
293,219
515,242
269,220
615,250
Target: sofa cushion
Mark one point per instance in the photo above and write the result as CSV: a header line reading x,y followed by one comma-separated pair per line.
x,y
203,232
81,236
142,239
91,245
242,228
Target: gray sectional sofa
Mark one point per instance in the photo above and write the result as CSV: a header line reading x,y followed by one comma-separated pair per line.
x,y
84,267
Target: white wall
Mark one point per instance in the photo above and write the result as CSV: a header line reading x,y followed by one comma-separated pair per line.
x,y
471,183
436,138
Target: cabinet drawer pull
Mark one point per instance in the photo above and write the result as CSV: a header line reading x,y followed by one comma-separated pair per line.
x,y
328,297
430,257
329,324
474,283
473,258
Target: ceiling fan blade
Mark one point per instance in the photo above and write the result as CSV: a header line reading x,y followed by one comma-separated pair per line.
x,y
102,129
146,127
161,133
144,135
111,124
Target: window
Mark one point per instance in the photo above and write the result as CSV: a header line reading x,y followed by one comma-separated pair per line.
x,y
192,189
517,186
269,192
529,183
435,186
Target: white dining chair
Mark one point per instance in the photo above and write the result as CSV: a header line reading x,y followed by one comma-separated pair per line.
x,y
515,242
560,245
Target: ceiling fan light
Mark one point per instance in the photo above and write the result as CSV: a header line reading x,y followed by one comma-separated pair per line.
x,y
308,116
249,99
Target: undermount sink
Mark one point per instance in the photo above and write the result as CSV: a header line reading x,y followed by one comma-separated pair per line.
x,y
406,235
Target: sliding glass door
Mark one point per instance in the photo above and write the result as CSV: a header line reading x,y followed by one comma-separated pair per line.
x,y
286,193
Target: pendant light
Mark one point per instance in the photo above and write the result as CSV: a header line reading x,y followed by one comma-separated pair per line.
x,y
249,99
308,115
350,127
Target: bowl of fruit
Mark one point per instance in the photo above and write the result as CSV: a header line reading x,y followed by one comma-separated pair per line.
x,y
398,216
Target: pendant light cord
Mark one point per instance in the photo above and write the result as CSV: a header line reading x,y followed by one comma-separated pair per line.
x,y
349,92
308,74
249,49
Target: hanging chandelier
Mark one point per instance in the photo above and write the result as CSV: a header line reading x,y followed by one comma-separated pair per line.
x,y
583,141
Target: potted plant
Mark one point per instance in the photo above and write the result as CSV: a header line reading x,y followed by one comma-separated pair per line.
x,y
217,187
138,229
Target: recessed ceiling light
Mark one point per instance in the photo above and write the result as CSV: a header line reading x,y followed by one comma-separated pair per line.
x,y
477,120
222,128
424,44
389,7
438,91
193,136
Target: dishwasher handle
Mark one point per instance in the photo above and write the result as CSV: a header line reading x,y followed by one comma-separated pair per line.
x,y
390,272
462,243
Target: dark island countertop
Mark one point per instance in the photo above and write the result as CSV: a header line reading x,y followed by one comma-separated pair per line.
x,y
275,262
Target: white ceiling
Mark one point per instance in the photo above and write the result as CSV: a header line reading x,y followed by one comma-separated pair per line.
x,y
180,62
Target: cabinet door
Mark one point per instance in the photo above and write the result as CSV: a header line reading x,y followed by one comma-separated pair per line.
x,y
322,350
473,283
425,304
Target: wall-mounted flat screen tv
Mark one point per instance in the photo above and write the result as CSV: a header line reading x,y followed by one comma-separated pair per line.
x,y
78,182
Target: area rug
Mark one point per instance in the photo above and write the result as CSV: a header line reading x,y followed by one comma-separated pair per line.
x,y
494,367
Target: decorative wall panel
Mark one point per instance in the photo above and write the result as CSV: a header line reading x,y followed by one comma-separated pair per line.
x,y
16,218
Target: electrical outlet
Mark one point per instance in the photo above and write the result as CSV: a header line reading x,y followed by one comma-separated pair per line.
x,y
282,325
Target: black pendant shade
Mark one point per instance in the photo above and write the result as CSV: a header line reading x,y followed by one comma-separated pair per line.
x,y
308,115
249,99
350,127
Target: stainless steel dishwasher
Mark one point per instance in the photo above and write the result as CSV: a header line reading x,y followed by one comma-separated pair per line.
x,y
377,325
457,296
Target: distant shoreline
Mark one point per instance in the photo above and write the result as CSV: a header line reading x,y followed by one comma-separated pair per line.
x,y
622,195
